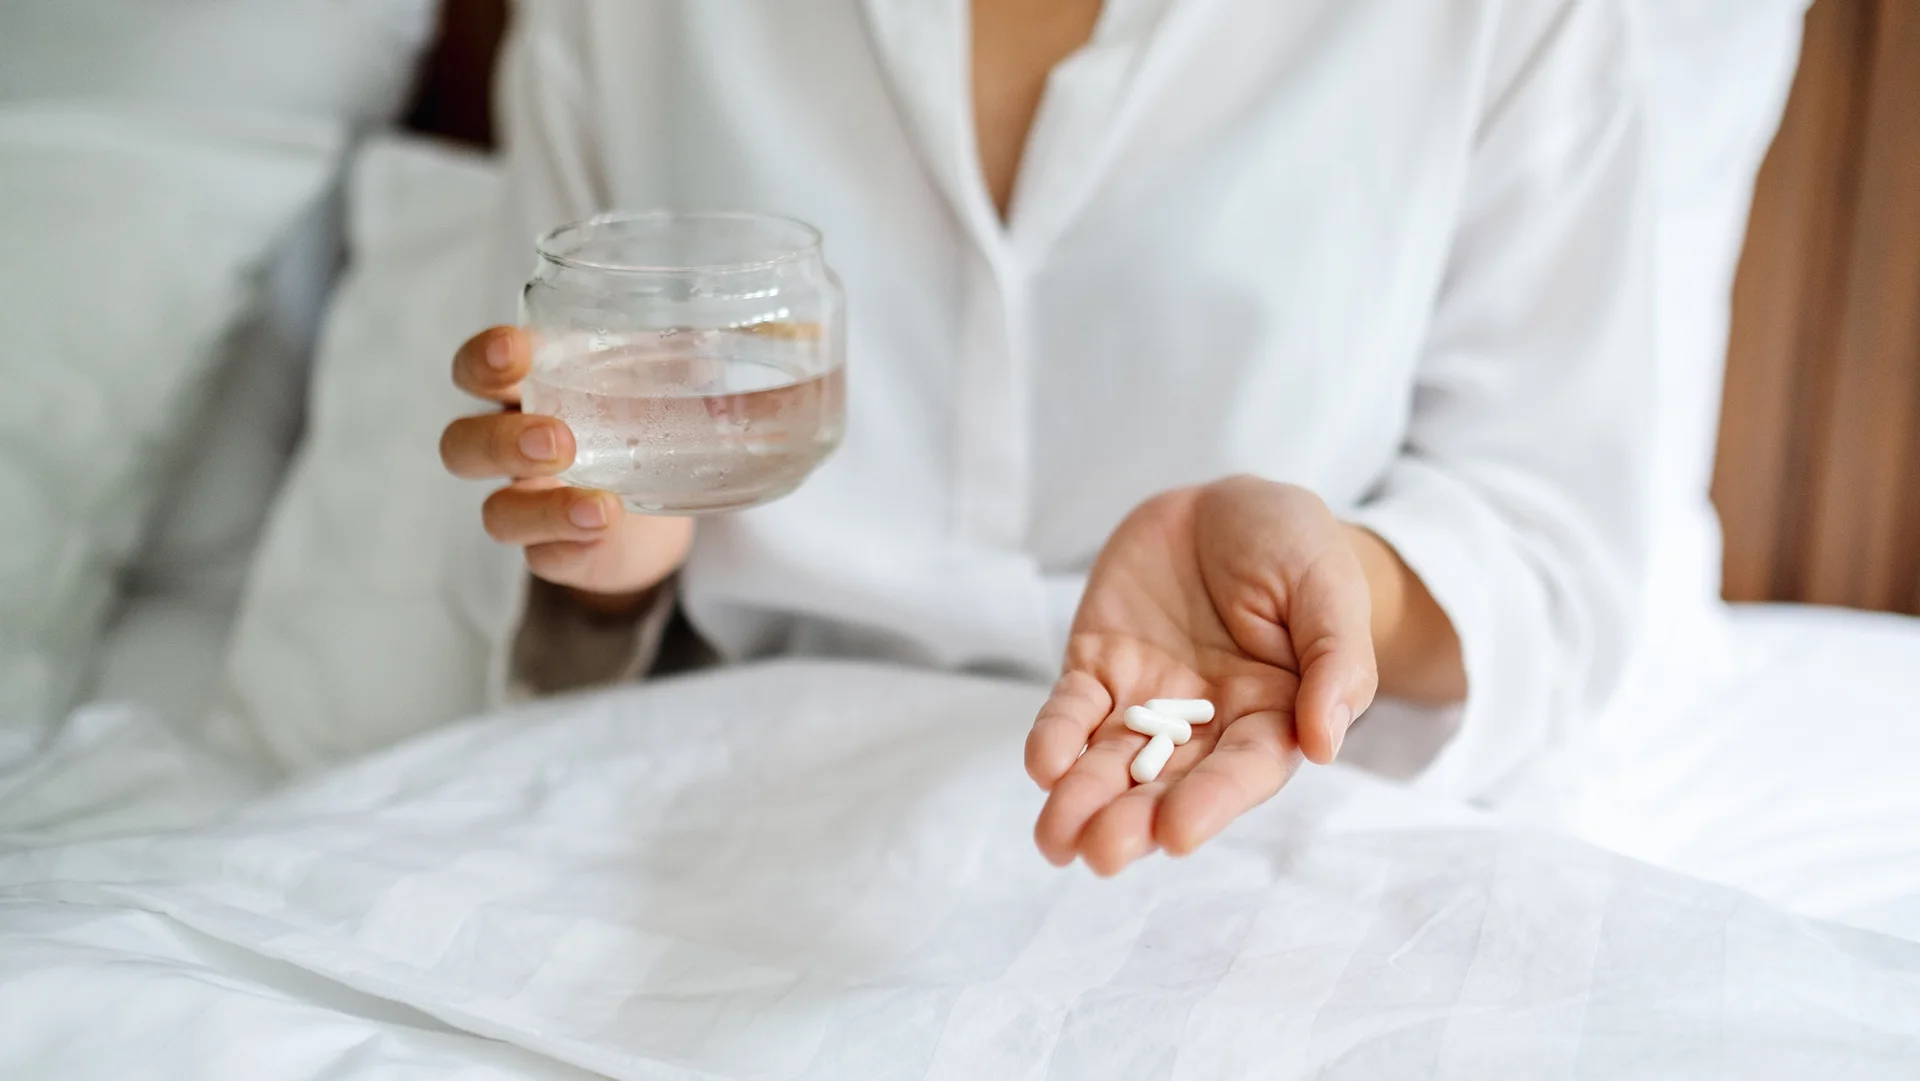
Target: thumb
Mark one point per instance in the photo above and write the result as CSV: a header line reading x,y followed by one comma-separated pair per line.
x,y
1330,622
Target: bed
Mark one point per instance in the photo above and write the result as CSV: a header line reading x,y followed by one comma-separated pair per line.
x,y
835,879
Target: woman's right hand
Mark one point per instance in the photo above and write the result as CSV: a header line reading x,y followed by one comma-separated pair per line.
x,y
573,537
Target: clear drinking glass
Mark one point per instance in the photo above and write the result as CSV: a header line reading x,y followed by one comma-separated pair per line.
x,y
699,359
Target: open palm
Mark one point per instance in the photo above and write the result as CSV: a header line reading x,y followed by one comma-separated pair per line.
x,y
1245,592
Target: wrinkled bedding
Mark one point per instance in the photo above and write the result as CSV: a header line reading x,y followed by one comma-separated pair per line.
x,y
816,870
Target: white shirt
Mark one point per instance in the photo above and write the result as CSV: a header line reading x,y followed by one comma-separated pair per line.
x,y
1396,251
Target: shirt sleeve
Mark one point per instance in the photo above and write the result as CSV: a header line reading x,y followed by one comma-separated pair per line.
x,y
1521,497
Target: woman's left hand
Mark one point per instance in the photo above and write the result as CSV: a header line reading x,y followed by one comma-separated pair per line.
x,y
1245,592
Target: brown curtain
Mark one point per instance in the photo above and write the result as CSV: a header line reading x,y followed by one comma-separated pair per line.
x,y
1819,471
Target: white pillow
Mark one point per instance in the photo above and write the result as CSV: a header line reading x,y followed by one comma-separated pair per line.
x,y
130,237
224,481
349,637
165,645
348,59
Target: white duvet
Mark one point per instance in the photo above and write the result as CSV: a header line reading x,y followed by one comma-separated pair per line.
x,y
813,870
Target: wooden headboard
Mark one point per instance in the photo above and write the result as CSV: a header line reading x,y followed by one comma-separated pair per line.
x,y
1819,472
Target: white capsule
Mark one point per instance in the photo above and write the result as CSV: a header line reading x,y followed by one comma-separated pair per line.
x,y
1152,758
1191,710
1150,723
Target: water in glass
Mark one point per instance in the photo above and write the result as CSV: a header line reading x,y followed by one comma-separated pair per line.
x,y
691,421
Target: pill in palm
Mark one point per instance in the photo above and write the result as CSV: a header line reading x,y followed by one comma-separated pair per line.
x,y
1149,722
1191,710
1152,758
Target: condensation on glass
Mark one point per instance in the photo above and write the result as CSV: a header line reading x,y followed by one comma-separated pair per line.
x,y
699,359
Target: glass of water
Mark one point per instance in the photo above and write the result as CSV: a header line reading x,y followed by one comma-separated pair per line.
x,y
699,359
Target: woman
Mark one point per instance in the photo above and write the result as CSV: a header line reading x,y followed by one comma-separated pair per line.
x,y
1276,353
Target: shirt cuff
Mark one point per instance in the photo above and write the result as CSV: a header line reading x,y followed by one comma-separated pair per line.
x,y
1464,555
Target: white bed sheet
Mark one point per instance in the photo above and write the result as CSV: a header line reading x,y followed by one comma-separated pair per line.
x,y
1790,772
164,1001
812,870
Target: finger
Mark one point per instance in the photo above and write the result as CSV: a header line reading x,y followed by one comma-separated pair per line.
x,y
492,363
1077,706
1122,831
1094,780
506,445
525,517
1255,756
1330,621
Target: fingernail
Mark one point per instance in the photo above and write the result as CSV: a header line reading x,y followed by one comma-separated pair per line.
x,y
588,514
1341,717
499,355
538,443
